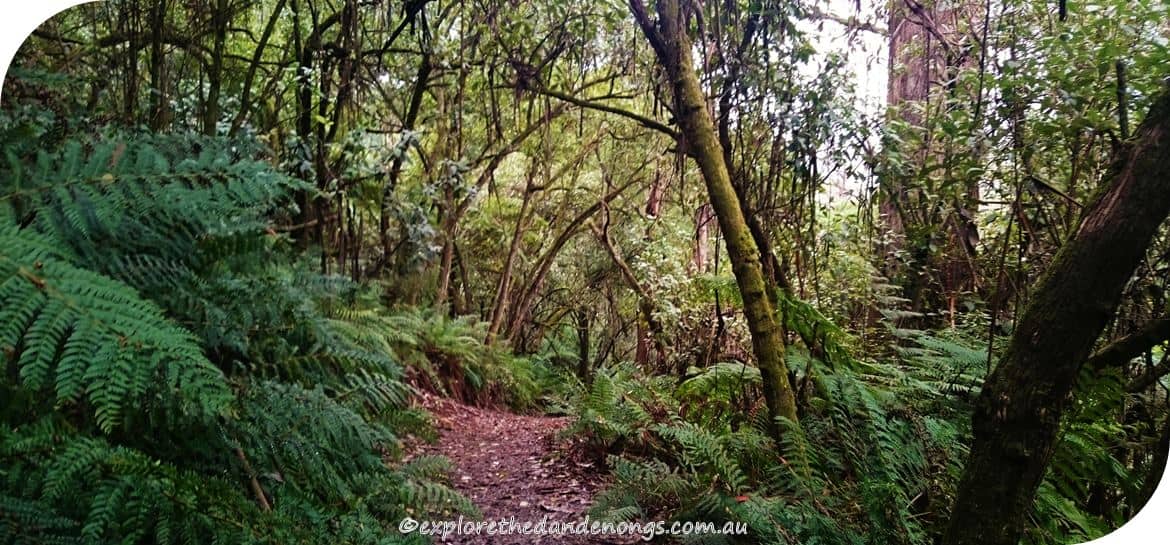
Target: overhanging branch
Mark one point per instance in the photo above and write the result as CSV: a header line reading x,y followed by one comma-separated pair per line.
x,y
591,105
1131,346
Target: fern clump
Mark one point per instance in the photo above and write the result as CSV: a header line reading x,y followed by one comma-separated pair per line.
x,y
82,335
449,356
176,373
860,468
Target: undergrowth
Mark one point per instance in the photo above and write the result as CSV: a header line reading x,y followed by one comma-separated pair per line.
x,y
176,373
876,458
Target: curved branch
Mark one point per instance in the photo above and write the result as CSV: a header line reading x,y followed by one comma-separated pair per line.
x,y
591,105
1131,346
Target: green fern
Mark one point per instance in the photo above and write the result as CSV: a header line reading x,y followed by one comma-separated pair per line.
x,y
132,194
86,336
140,290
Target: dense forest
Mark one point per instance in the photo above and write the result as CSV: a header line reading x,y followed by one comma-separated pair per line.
x,y
295,271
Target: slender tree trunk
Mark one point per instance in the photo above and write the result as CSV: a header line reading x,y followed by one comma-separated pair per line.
x,y
654,198
462,299
306,214
703,218
416,97
158,100
1017,416
219,23
128,21
583,369
505,284
257,56
447,259
673,49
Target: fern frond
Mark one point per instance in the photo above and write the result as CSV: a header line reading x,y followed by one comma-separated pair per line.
x,y
86,334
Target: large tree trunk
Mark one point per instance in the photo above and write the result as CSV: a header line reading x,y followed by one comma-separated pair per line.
x,y
673,49
929,45
1017,416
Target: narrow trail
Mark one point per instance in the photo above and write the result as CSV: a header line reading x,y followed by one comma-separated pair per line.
x,y
510,467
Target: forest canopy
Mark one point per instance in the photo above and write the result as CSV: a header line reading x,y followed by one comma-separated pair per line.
x,y
296,271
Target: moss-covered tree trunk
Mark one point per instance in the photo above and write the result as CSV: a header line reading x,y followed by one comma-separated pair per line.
x,y
1017,416
672,46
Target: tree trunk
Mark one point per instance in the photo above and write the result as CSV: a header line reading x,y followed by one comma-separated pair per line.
x,y
416,98
702,254
128,22
654,199
504,287
450,230
581,317
250,76
1017,416
306,211
219,22
929,46
159,117
673,49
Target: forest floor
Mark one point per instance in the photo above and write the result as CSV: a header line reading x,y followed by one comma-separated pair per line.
x,y
512,467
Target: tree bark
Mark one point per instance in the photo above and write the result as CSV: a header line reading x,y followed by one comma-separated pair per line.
x,y
929,47
505,284
416,97
257,56
219,24
159,117
703,218
581,317
646,304
673,48
1017,416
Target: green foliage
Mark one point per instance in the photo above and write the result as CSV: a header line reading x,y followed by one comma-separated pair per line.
x,y
174,362
861,468
79,489
1087,490
876,458
84,336
618,408
170,362
944,363
450,357
161,196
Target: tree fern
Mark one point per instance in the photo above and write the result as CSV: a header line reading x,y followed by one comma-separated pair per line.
x,y
279,379
86,336
135,194
91,491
